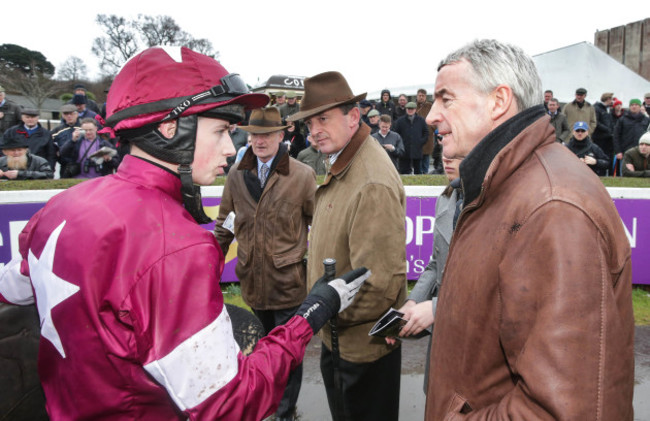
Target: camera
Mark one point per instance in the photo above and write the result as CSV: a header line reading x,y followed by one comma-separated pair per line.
x,y
89,163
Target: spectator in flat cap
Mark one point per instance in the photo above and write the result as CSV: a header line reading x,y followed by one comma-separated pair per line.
x,y
580,110
63,133
38,139
10,112
80,89
291,106
373,121
635,160
18,164
280,98
415,133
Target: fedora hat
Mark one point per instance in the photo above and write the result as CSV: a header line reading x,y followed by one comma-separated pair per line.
x,y
322,92
264,120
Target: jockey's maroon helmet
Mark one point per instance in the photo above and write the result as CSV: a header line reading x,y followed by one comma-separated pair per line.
x,y
166,83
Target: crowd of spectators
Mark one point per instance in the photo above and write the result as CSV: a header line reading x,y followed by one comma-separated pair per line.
x,y
78,144
601,134
611,132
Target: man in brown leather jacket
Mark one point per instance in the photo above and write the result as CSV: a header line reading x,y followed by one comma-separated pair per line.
x,y
267,204
534,317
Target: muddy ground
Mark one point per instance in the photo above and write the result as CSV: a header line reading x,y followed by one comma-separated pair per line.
x,y
312,403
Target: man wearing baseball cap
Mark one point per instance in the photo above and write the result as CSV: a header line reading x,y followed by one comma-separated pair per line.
x,y
635,160
133,324
586,150
267,204
358,220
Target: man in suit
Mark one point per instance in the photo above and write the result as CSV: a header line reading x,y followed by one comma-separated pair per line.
x,y
267,204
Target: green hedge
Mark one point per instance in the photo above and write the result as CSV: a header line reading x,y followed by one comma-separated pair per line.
x,y
408,180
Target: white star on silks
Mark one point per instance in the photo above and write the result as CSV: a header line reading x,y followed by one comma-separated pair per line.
x,y
50,289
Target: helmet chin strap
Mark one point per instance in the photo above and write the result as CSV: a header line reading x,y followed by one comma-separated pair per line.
x,y
185,139
192,195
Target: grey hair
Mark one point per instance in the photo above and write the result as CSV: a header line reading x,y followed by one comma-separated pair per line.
x,y
495,63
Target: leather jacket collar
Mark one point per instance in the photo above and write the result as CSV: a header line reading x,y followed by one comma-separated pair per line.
x,y
475,165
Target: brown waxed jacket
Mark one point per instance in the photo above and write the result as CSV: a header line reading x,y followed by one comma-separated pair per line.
x,y
534,317
272,233
359,221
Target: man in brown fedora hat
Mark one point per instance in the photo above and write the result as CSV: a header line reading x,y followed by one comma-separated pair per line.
x,y
358,220
267,204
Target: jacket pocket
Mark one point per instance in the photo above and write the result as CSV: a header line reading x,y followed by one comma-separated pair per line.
x,y
242,255
289,258
457,405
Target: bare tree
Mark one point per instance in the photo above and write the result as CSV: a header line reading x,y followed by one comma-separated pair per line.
x,y
36,86
72,69
159,30
203,46
117,46
28,73
123,38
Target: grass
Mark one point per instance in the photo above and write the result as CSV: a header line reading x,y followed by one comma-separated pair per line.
x,y
640,301
232,295
407,180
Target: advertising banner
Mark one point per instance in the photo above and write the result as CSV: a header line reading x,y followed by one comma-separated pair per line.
x,y
633,206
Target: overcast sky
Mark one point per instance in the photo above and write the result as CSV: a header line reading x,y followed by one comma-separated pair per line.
x,y
375,44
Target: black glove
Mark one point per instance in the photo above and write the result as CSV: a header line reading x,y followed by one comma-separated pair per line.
x,y
327,298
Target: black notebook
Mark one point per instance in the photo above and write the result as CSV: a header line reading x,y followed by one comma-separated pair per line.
x,y
389,325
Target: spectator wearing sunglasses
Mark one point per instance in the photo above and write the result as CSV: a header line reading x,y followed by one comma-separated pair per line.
x,y
588,152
